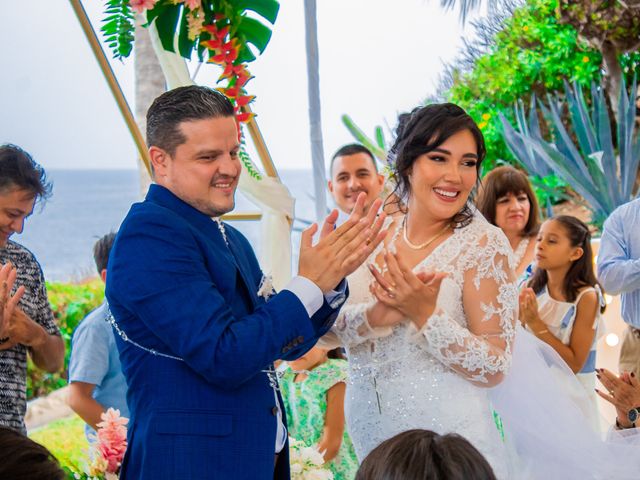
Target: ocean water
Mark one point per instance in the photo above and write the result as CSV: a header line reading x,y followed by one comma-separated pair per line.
x,y
87,204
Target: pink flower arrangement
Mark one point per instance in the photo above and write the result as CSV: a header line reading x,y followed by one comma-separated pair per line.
x,y
142,5
192,4
111,445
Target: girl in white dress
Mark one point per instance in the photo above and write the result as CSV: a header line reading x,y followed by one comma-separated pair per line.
x,y
423,347
563,302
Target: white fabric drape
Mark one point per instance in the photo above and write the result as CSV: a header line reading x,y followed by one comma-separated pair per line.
x,y
271,196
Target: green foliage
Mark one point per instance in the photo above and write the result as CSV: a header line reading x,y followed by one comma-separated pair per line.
x,y
70,304
549,190
249,165
532,54
65,439
378,146
598,162
118,27
172,20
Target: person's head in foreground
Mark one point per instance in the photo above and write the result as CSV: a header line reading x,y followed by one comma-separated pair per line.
x,y
22,183
193,146
437,156
425,455
23,459
353,170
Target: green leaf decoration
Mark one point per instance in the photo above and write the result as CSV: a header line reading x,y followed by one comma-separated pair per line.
x,y
254,32
159,9
265,8
118,27
248,164
185,45
380,138
245,55
167,24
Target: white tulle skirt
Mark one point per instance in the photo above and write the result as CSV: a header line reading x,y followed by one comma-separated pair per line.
x,y
548,421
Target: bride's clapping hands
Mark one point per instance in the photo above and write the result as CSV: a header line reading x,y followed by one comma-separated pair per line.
x,y
413,295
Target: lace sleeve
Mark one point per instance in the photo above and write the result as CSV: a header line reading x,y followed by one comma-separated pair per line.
x,y
480,351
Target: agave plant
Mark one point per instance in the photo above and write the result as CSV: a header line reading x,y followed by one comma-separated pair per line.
x,y
602,171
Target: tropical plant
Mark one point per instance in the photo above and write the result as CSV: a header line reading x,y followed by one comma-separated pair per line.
x,y
228,33
599,165
70,304
613,28
378,147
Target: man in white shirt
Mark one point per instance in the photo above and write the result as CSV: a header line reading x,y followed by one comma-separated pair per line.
x,y
353,170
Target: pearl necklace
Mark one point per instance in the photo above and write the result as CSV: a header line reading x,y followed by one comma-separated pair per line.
x,y
422,245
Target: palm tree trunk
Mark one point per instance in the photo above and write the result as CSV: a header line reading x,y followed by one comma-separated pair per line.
x,y
315,120
613,77
149,83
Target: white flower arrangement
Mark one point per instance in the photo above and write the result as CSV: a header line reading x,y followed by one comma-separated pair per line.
x,y
266,290
307,463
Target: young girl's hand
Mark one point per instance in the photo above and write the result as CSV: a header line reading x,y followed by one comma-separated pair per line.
x,y
529,310
414,295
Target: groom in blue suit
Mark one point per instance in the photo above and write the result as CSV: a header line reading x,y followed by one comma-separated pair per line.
x,y
197,341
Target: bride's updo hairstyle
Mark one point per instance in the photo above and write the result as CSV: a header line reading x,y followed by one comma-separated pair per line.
x,y
422,131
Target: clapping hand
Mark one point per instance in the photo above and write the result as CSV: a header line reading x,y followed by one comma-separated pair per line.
x,y
623,392
412,294
8,303
341,250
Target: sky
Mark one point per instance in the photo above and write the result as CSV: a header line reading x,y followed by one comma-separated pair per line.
x,y
377,59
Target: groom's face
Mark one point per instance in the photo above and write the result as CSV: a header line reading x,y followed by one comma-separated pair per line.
x,y
205,169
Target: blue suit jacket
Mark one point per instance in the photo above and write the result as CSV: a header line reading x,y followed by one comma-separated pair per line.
x,y
175,287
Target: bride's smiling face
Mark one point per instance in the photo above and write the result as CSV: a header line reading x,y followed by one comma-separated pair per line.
x,y
441,180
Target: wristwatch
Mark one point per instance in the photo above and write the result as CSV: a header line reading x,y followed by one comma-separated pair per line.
x,y
633,415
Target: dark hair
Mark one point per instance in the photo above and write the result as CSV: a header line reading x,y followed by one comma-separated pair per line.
x,y
23,459
581,272
352,149
337,354
422,131
500,182
101,250
182,104
425,455
18,169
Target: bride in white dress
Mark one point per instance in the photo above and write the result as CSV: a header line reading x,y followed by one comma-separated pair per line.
x,y
430,327
424,353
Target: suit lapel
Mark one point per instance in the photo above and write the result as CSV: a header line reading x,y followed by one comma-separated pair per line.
x,y
243,266
226,253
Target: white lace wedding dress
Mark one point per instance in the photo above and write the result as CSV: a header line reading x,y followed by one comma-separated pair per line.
x,y
401,378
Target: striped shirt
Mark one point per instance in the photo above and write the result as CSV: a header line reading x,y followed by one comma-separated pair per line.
x,y
619,259
13,362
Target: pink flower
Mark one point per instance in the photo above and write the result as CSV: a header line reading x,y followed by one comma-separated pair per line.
x,y
142,5
192,4
112,439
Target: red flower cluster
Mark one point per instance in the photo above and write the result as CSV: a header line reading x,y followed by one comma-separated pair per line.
x,y
224,51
